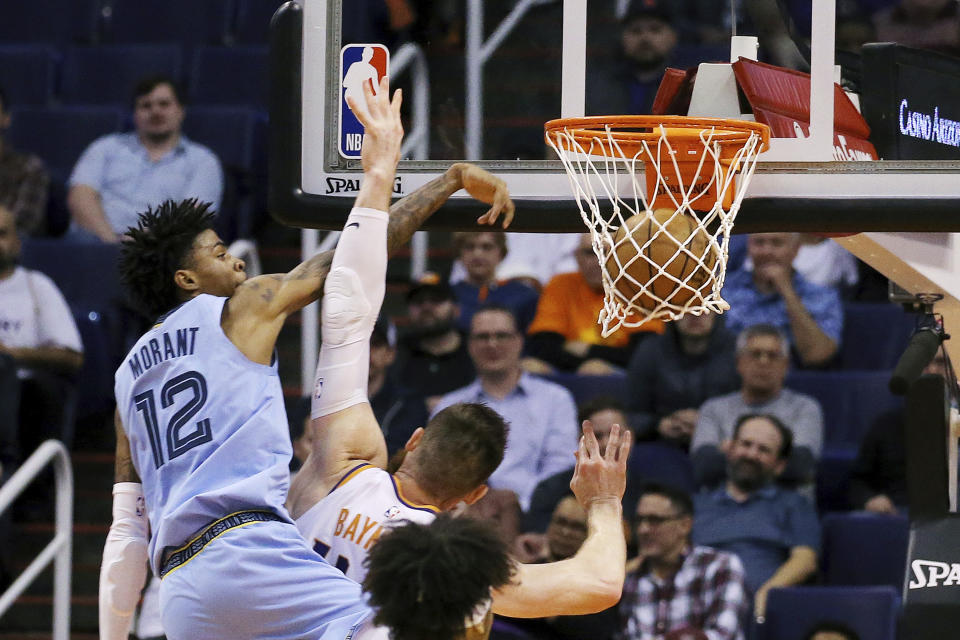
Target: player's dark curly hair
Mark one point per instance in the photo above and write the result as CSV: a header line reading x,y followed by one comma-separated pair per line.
x,y
156,248
426,580
462,445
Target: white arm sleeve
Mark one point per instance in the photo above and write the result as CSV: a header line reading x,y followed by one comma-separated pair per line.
x,y
123,571
352,296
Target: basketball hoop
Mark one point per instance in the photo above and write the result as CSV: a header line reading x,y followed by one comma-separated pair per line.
x,y
662,240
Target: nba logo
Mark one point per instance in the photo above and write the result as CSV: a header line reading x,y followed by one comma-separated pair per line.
x,y
359,64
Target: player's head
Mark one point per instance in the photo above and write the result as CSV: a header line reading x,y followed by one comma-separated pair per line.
x,y
454,455
173,254
427,581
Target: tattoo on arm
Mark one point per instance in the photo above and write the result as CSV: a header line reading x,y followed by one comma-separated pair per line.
x,y
123,469
408,214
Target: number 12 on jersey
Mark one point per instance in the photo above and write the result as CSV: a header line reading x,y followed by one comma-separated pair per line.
x,y
174,437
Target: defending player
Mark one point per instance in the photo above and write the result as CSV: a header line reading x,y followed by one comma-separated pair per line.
x,y
343,500
200,418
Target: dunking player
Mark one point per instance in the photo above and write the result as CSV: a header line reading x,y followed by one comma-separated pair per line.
x,y
200,418
343,500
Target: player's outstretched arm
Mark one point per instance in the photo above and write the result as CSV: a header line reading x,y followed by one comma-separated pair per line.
x,y
591,580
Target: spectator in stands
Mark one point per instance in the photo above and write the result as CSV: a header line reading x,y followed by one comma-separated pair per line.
x,y
544,413
122,174
565,335
38,334
537,257
762,361
774,293
628,84
677,589
432,358
398,409
603,412
774,531
566,532
924,24
831,630
823,262
481,252
878,481
24,181
671,375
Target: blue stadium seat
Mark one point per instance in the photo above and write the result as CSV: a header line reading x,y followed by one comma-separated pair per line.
x,y
60,134
586,388
833,477
662,463
58,22
235,134
870,611
874,335
28,74
253,20
850,400
107,74
865,549
90,282
187,22
230,76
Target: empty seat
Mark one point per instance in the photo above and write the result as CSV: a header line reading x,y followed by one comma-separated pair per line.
x,y
865,549
90,282
187,22
59,135
28,73
870,611
662,463
235,135
108,74
253,20
874,335
850,400
58,22
833,477
585,388
230,76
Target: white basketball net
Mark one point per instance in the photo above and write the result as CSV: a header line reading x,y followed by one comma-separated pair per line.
x,y
610,188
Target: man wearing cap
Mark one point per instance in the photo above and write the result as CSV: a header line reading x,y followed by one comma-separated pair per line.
x,y
432,357
628,85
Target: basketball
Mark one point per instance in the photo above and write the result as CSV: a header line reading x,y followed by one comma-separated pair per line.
x,y
660,245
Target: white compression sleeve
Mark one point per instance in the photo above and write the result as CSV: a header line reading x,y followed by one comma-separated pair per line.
x,y
123,571
352,296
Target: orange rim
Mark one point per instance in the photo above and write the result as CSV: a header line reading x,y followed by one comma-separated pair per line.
x,y
632,132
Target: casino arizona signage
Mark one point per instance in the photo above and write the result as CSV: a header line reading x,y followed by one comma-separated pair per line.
x,y
923,126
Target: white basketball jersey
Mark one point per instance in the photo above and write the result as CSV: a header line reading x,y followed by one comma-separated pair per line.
x,y
346,523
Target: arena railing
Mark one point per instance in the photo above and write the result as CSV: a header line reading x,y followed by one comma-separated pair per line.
x,y
59,549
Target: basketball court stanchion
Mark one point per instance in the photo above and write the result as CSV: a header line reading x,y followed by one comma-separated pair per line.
x,y
659,195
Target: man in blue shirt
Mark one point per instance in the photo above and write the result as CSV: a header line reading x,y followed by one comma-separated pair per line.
x,y
774,531
543,414
121,174
773,293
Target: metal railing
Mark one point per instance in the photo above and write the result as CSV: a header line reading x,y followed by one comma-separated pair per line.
x,y
416,145
60,548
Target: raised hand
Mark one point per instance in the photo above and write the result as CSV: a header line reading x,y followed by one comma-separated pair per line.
x,y
601,476
382,129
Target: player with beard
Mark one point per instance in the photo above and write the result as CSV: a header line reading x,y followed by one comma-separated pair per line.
x,y
432,359
773,530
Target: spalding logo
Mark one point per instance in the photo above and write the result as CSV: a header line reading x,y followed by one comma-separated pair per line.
x,y
392,512
930,573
